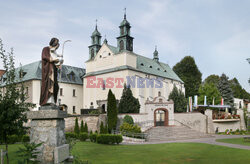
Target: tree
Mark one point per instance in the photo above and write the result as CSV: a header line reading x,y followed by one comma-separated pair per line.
x,y
179,99
102,129
128,103
211,91
111,111
13,105
212,79
76,129
189,73
225,90
238,91
82,127
86,128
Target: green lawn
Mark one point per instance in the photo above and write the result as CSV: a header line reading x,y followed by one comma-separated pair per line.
x,y
153,154
239,141
160,153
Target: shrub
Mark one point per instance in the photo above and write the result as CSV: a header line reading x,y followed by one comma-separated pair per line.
x,y
13,139
86,127
128,128
93,137
83,136
70,135
26,138
102,128
76,129
82,127
128,119
109,139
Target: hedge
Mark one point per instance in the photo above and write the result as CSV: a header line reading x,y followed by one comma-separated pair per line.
x,y
109,139
26,138
83,136
93,137
71,135
129,128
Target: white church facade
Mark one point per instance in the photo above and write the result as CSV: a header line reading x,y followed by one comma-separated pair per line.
x,y
110,67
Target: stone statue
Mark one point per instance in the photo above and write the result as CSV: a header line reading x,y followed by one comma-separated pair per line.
x,y
51,62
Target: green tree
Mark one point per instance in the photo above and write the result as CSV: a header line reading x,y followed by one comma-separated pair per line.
x,y
86,128
225,90
180,102
238,91
211,91
13,104
76,129
128,103
189,73
102,129
212,79
111,111
82,127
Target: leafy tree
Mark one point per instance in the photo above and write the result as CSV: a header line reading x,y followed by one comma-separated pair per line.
x,y
212,79
128,119
76,129
225,90
111,111
238,91
13,105
179,99
82,127
211,91
102,129
189,73
86,128
128,103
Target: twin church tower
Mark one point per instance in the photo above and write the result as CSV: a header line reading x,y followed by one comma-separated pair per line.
x,y
124,41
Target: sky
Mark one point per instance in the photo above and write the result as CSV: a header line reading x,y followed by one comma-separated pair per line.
x,y
215,32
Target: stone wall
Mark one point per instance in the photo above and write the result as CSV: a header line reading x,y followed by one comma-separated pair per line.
x,y
223,126
196,121
93,122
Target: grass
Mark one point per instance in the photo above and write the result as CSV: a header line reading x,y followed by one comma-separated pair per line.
x,y
160,153
239,141
168,153
13,156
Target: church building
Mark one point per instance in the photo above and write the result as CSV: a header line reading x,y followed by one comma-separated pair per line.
x,y
110,67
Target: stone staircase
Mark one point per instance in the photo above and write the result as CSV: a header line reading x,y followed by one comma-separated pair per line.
x,y
171,133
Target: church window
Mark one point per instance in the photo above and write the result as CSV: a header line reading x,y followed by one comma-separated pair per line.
x,y
121,45
165,71
142,64
74,109
159,93
158,69
150,66
92,53
109,54
91,103
74,93
100,56
160,100
61,91
122,30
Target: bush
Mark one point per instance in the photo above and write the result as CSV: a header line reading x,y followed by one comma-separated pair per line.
x,y
70,135
109,139
93,137
76,129
86,128
128,119
83,136
13,139
26,138
128,128
82,127
102,130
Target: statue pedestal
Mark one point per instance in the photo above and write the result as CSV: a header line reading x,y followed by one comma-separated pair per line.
x,y
47,126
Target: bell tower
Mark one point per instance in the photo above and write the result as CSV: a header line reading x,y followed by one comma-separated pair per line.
x,y
125,41
95,43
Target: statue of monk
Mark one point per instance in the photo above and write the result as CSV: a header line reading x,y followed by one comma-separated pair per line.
x,y
51,61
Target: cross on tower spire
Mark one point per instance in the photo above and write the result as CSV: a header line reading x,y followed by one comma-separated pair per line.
x,y
125,13
96,24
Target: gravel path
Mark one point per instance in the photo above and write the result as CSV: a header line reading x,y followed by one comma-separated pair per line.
x,y
211,140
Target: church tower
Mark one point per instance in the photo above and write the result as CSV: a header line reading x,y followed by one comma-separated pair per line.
x,y
95,43
125,41
156,57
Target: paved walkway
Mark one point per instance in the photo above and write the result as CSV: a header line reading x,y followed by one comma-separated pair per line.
x,y
211,140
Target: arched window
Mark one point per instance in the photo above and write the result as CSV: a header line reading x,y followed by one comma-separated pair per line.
x,y
121,45
92,53
122,30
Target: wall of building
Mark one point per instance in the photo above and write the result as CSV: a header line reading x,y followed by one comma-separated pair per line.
x,y
67,97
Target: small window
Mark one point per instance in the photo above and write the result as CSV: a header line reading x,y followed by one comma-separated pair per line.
x,y
91,103
27,90
109,54
142,64
150,66
158,69
159,93
74,93
92,53
74,109
61,91
121,45
165,70
100,56
160,100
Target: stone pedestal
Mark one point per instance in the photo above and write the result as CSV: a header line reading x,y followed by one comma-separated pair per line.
x,y
47,126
